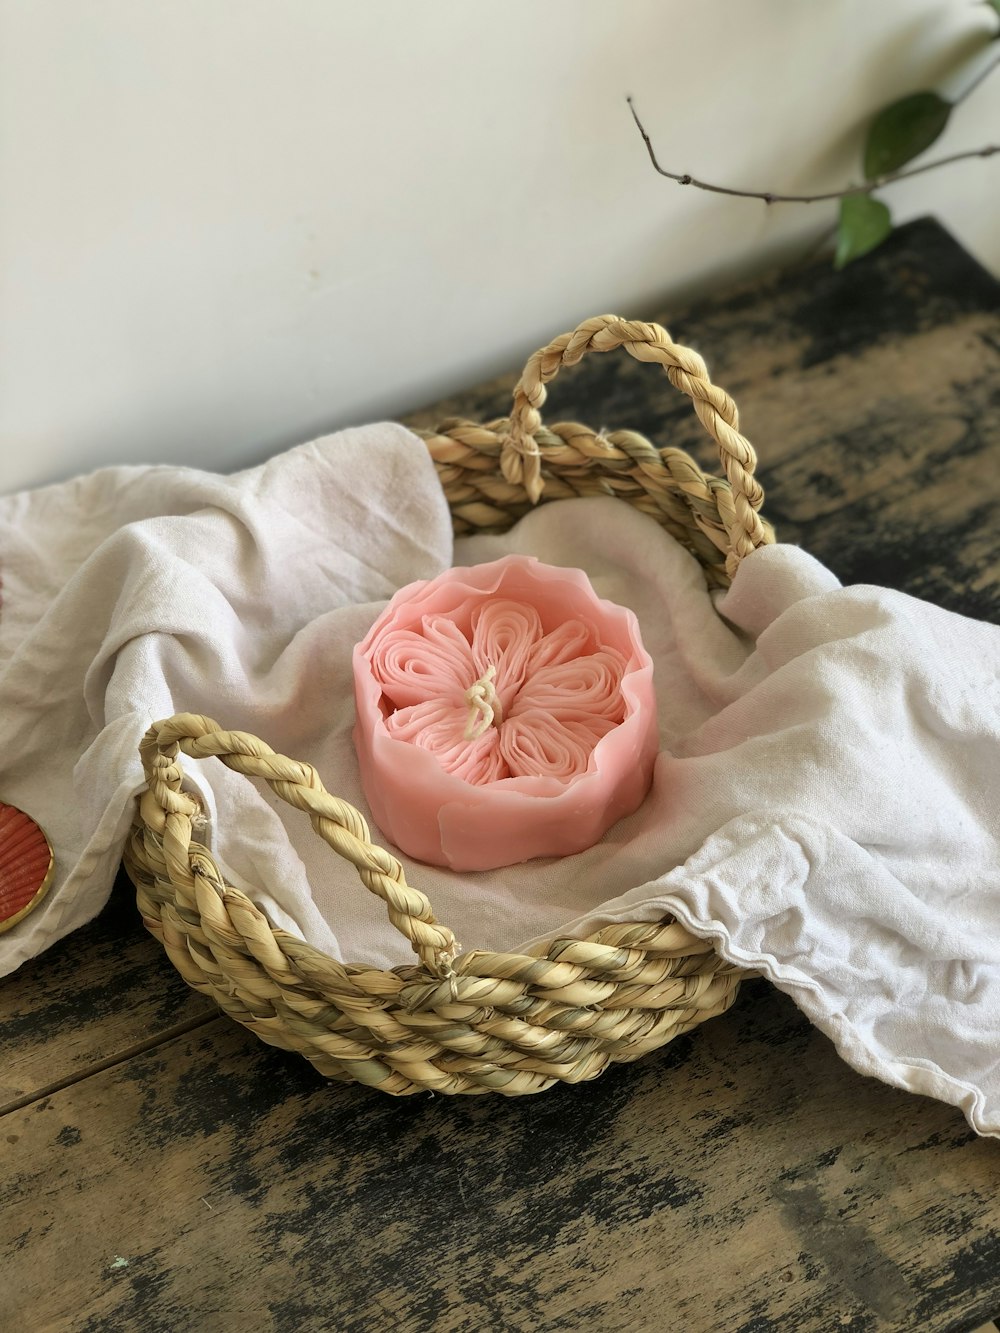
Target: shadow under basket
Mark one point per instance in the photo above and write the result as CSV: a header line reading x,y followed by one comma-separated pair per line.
x,y
476,1021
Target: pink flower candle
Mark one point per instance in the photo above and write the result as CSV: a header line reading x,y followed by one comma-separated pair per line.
x,y
504,712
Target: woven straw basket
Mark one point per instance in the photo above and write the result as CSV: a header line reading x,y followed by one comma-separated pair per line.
x,y
476,1021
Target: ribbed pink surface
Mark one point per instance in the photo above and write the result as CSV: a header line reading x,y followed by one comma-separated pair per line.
x,y
25,858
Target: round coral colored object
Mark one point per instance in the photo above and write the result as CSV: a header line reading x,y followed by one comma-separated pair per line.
x,y
26,864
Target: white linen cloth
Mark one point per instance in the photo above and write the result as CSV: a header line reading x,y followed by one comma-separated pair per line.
x,y
824,809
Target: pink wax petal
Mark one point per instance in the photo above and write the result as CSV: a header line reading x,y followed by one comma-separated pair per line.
x,y
432,663
566,642
503,634
536,744
588,685
439,727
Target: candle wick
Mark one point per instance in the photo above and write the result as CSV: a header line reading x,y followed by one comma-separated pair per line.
x,y
484,705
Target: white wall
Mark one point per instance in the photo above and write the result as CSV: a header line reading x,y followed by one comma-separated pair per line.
x,y
229,225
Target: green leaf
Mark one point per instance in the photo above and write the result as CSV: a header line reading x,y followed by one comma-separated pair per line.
x,y
902,130
995,6
864,223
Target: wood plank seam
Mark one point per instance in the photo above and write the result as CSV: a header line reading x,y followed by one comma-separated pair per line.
x,y
119,1058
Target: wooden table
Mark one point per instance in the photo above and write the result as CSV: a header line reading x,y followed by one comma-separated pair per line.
x,y
164,1171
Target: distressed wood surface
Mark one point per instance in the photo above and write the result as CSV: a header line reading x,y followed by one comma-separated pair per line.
x,y
94,999
163,1170
743,1179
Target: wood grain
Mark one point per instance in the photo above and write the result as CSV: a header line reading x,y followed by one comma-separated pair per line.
x,y
743,1178
92,999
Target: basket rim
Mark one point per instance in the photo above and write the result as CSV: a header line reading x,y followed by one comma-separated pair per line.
x,y
612,996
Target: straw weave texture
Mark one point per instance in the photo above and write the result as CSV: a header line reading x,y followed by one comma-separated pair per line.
x,y
473,1021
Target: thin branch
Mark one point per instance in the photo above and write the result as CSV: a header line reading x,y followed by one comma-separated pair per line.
x,y
769,197
983,74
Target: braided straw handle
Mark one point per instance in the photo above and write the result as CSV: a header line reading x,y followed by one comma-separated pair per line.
x,y
521,459
167,812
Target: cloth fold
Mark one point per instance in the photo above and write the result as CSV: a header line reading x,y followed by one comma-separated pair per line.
x,y
824,807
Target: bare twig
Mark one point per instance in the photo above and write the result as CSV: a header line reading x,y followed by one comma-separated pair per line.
x,y
769,197
974,84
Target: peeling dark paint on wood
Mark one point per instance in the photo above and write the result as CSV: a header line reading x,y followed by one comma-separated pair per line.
x,y
847,1252
90,996
224,1171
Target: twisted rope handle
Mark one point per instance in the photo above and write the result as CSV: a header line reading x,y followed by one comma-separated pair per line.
x,y
521,458
168,811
